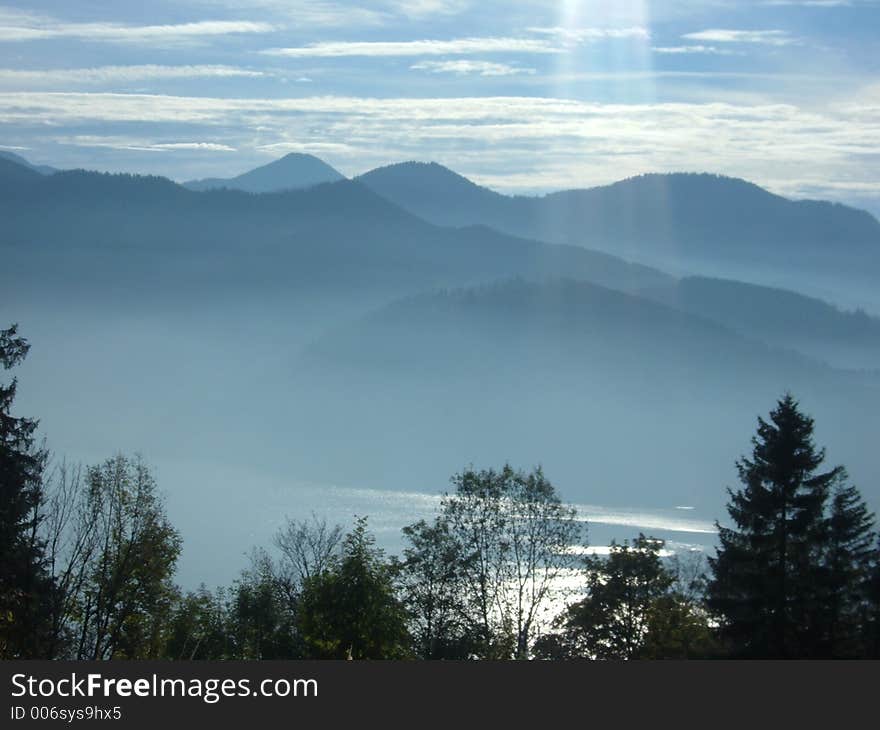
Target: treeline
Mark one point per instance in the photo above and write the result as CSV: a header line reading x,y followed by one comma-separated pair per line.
x,y
88,557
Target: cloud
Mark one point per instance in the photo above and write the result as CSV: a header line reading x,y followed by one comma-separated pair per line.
x,y
460,46
553,40
583,35
494,139
812,3
466,67
118,74
722,35
682,50
140,145
420,9
17,27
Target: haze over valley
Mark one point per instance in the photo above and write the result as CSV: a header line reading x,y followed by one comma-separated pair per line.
x,y
346,345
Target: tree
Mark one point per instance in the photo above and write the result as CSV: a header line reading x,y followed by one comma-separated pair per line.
x,y
350,610
263,614
767,569
845,589
126,598
612,621
199,627
514,538
430,577
307,548
871,619
26,589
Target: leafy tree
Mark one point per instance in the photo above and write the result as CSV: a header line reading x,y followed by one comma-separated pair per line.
x,y
431,586
199,627
767,570
263,614
126,598
614,618
26,589
514,539
350,610
677,628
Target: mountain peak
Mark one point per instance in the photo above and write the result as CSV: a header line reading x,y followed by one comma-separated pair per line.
x,y
294,171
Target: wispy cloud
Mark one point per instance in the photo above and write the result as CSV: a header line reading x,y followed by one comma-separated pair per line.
x,y
464,67
812,3
692,49
583,35
459,46
724,35
139,145
118,74
493,139
18,27
550,40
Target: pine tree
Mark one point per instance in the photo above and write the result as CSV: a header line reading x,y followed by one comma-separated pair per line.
x,y
765,574
25,589
847,574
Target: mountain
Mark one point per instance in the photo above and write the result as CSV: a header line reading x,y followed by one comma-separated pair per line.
x,y
846,339
42,169
610,388
292,172
242,321
439,195
334,237
14,176
686,223
341,242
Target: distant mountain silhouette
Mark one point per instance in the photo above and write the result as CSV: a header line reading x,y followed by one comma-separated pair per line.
x,y
42,169
336,232
692,223
292,172
849,339
15,176
342,237
573,328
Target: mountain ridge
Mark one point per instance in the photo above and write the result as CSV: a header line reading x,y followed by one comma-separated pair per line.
x,y
294,171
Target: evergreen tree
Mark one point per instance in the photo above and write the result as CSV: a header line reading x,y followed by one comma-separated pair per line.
x,y
350,610
25,586
847,574
871,620
767,572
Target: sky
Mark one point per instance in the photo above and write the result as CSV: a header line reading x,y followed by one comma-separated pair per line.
x,y
524,96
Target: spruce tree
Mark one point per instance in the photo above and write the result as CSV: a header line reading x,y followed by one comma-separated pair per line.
x,y
25,589
766,572
847,574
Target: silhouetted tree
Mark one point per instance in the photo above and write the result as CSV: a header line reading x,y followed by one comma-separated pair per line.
x,y
26,589
200,627
350,610
431,580
613,619
263,614
871,621
767,572
126,597
307,547
846,574
514,538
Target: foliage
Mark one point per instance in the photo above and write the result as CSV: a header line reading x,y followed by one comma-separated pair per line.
x,y
514,537
26,589
350,610
790,575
